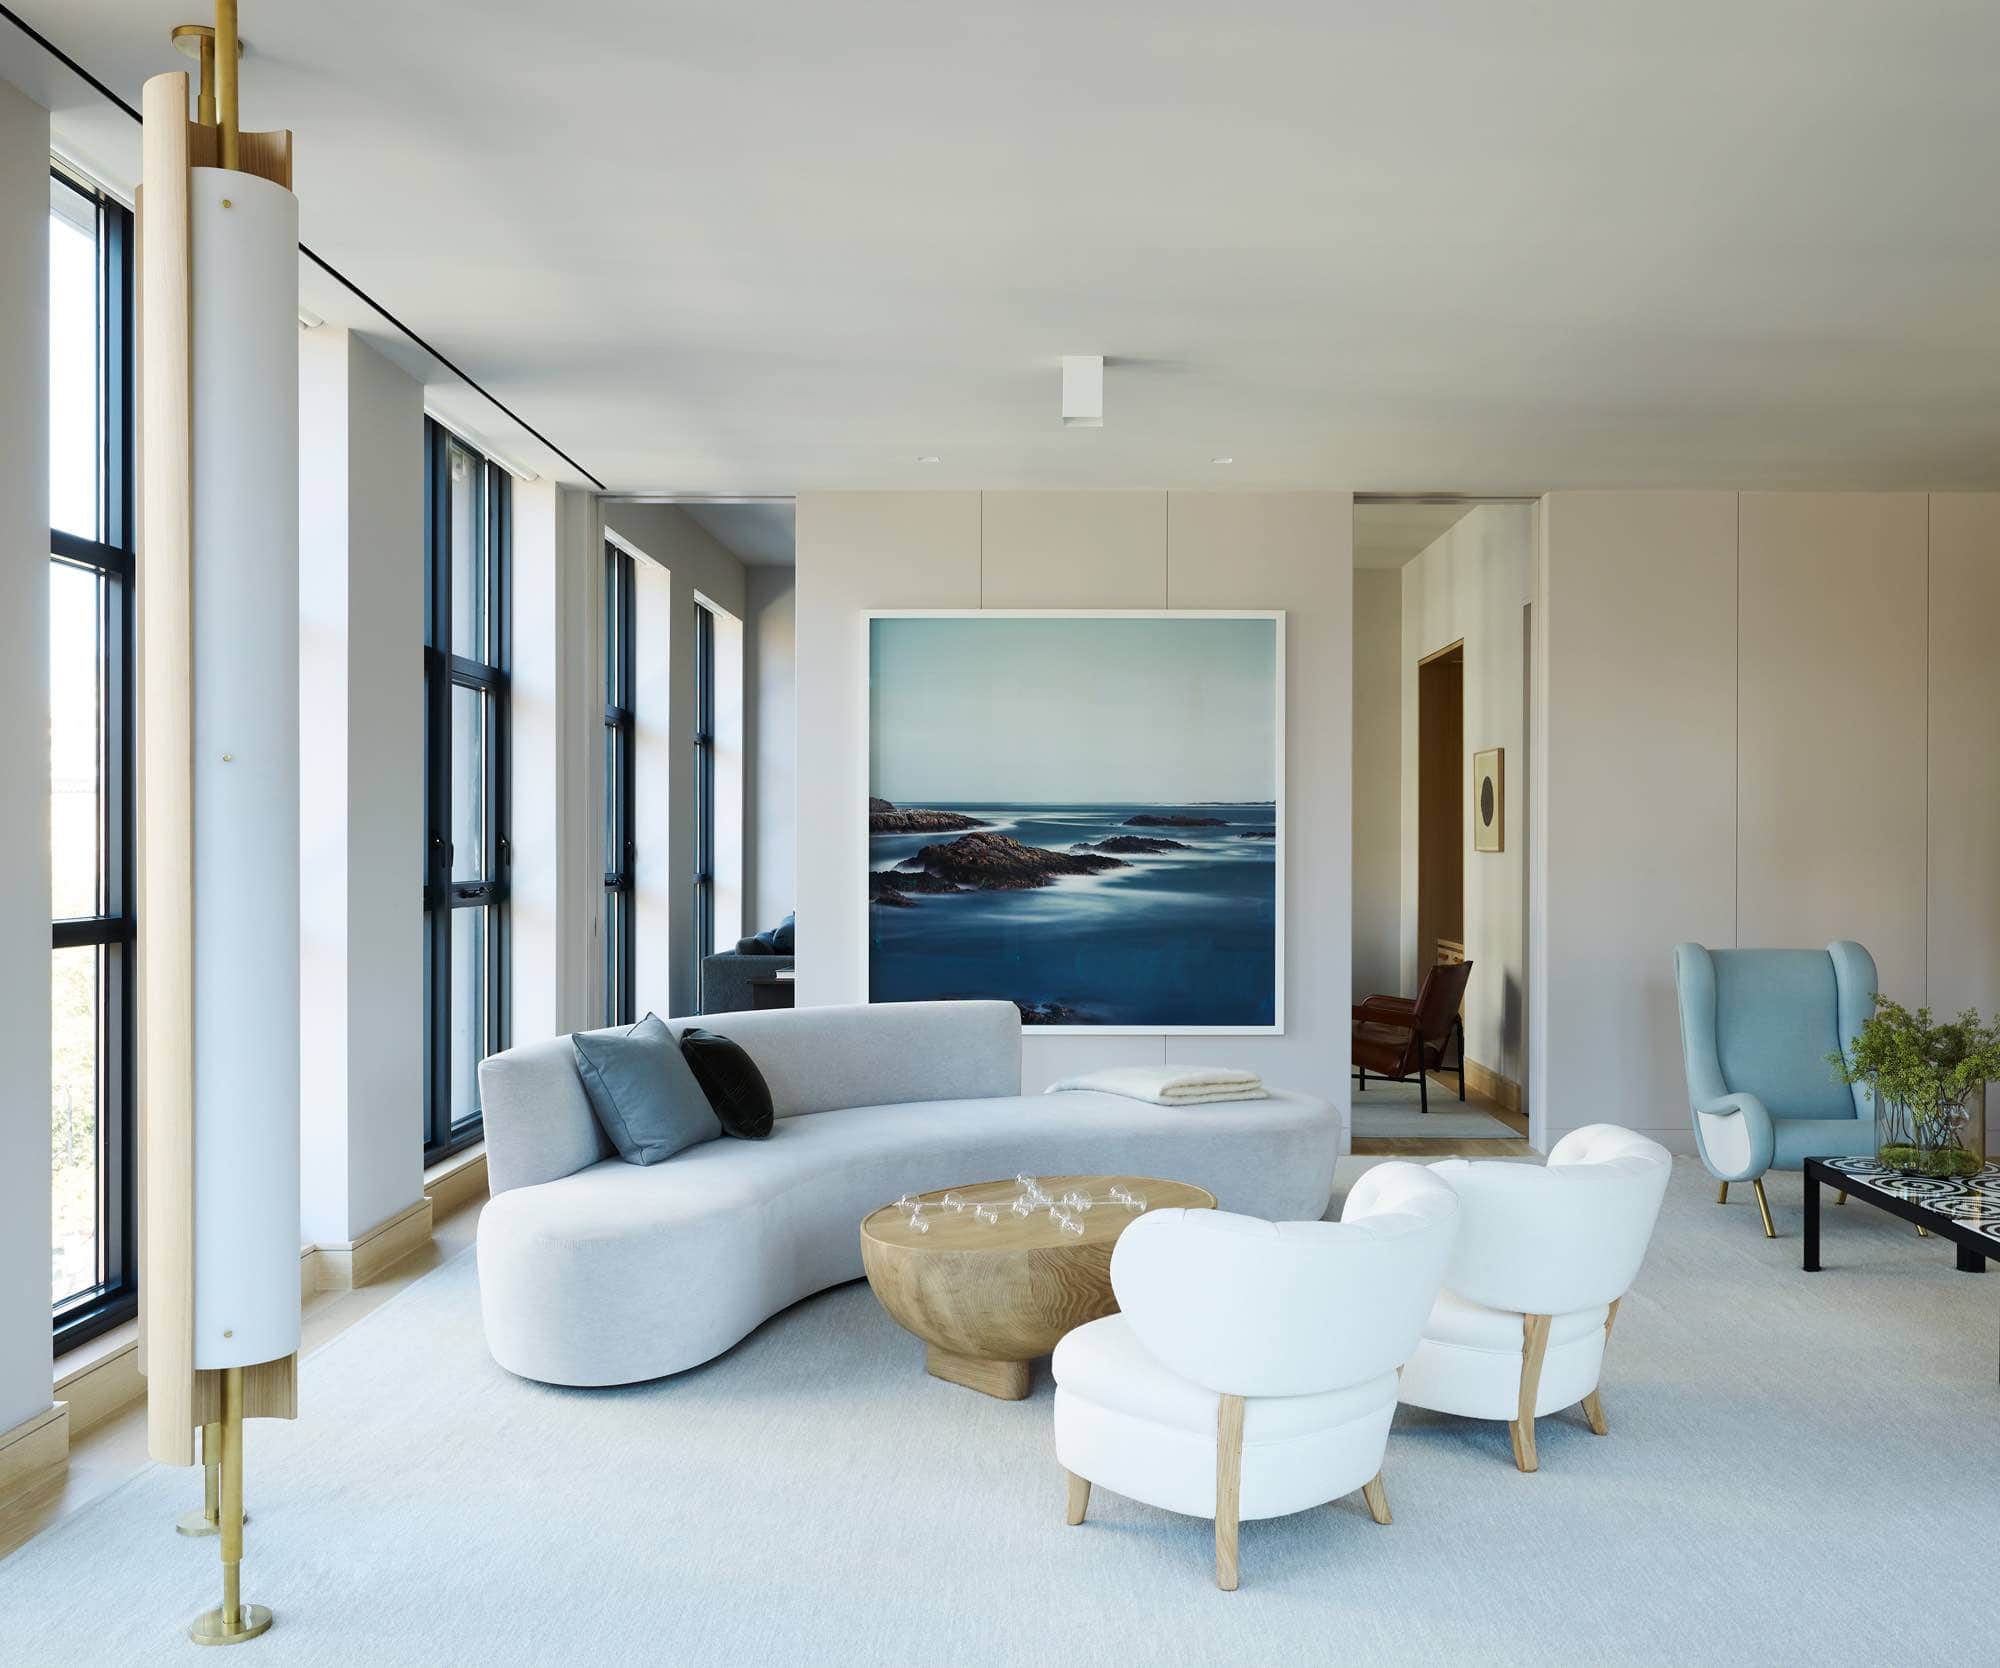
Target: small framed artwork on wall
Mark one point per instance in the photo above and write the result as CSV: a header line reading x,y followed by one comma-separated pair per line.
x,y
1489,799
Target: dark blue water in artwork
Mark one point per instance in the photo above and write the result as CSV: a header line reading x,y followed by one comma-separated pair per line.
x,y
1177,938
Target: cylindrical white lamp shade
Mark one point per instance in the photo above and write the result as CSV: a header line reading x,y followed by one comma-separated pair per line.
x,y
245,399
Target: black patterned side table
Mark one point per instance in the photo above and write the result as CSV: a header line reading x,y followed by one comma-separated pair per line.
x,y
1965,1211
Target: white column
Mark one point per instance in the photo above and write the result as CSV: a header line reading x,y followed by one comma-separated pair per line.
x,y
361,800
655,787
24,761
557,801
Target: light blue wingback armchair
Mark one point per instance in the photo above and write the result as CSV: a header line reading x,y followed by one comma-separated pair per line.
x,y
1756,1028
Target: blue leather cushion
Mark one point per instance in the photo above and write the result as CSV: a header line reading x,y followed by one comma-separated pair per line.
x,y
643,1092
772,941
1777,1018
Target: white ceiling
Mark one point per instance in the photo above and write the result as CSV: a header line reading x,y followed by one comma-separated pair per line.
x,y
763,533
1444,245
1390,535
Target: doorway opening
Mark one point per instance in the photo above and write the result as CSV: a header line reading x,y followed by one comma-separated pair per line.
x,y
1440,806
1441,725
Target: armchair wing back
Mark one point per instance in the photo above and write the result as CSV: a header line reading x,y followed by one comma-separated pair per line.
x,y
1246,1307
1568,1235
1762,1022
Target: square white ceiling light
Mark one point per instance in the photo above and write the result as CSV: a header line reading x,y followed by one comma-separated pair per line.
x,y
1083,390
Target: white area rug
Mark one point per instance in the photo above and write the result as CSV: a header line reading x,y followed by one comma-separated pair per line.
x,y
1788,1454
1385,1108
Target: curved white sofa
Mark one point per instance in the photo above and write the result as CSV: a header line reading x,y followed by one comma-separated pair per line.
x,y
594,1271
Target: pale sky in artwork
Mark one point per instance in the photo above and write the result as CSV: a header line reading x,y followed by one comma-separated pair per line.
x,y
1055,711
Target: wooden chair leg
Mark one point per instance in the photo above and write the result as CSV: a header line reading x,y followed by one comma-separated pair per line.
x,y
1534,1347
1228,1488
1593,1404
1079,1497
1377,1498
1764,1205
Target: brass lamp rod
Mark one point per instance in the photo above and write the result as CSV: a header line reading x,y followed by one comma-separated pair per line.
x,y
197,41
226,53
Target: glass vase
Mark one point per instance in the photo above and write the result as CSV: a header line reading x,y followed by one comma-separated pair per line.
x,y
1946,1140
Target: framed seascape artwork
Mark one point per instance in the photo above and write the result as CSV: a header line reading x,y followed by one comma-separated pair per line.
x,y
1489,800
1081,813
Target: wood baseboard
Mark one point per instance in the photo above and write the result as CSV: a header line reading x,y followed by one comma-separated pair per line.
x,y
1504,1092
358,1262
34,1446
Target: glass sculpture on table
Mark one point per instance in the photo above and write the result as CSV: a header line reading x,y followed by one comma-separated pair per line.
x,y
1066,1209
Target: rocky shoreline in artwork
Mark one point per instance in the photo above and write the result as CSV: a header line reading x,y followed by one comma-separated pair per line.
x,y
1150,819
1138,844
980,863
885,818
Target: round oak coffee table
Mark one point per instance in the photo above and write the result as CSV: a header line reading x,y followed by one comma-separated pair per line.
x,y
988,1296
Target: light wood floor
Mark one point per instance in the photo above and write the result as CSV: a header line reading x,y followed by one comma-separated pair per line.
x,y
107,1456
1428,1147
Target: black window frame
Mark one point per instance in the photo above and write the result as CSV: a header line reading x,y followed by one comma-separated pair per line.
x,y
702,915
113,558
445,671
620,844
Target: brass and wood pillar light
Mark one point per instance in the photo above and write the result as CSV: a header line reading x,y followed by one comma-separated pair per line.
x,y
218,847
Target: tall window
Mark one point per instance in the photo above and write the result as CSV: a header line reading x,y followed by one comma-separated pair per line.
x,y
94,1251
618,842
703,926
469,540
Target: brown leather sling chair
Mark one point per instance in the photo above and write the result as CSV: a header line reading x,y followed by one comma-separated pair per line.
x,y
1395,1037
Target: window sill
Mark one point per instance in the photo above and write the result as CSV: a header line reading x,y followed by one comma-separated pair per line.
x,y
456,1180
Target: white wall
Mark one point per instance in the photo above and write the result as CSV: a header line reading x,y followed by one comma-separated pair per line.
x,y
1472,584
664,876
1290,551
25,1346
556,814
1963,905
770,598
361,799
1769,722
1378,781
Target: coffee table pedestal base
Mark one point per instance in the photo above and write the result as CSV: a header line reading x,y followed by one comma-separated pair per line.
x,y
1008,1380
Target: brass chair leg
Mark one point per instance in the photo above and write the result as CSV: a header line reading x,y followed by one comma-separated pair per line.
x,y
1722,1194
1377,1497
1842,1199
1521,1429
1079,1497
1764,1205
1228,1488
1923,1232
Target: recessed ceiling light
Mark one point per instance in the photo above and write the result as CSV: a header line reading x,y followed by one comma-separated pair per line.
x,y
1221,460
930,457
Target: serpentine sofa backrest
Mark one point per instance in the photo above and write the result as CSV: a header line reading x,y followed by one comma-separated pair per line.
x,y
539,1125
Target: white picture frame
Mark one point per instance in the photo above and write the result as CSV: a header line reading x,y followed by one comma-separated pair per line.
x,y
1280,845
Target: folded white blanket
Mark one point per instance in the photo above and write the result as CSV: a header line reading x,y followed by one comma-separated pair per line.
x,y
1169,1085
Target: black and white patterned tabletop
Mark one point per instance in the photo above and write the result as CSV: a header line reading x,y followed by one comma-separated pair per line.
x,y
1972,1201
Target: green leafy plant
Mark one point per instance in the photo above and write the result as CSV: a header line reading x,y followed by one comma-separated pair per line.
x,y
1922,1073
